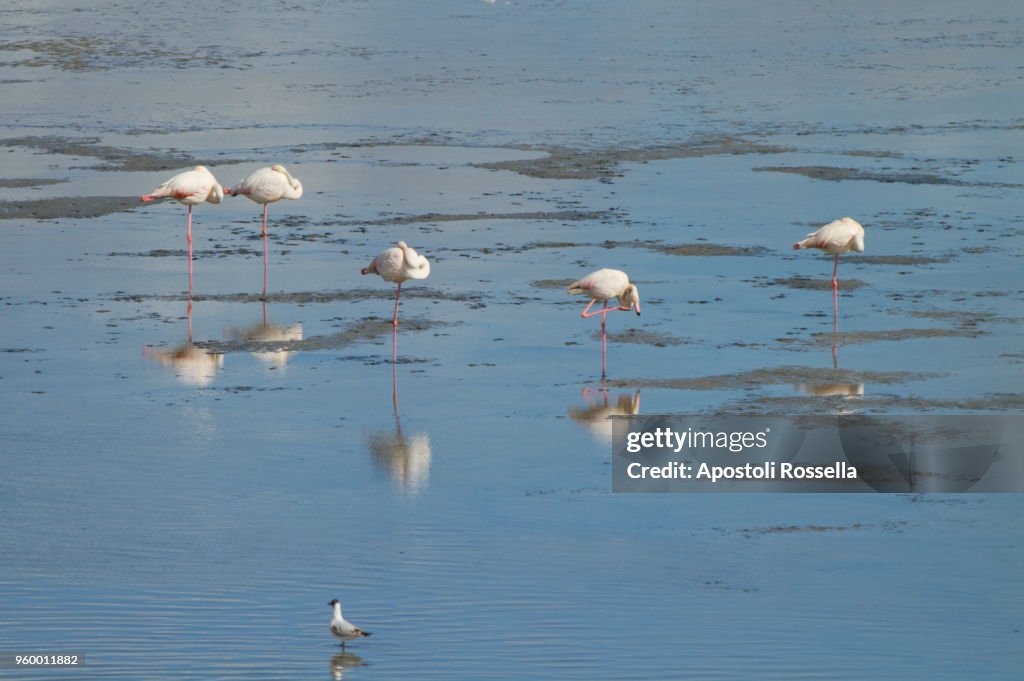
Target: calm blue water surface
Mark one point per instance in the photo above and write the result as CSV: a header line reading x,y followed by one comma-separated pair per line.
x,y
175,511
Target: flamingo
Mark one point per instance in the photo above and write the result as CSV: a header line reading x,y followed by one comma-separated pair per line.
x,y
604,285
266,186
398,264
191,187
837,237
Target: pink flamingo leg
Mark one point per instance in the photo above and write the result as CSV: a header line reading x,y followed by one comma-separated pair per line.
x,y
189,313
604,355
189,236
265,205
587,309
604,342
398,297
835,297
394,345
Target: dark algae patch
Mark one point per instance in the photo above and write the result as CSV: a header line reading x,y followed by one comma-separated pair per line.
x,y
19,183
775,376
694,249
304,297
836,174
815,284
642,337
562,163
66,207
114,158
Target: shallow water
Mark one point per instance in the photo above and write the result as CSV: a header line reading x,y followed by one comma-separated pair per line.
x,y
172,509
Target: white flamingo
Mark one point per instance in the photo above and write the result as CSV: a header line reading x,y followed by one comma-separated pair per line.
x,y
266,186
398,264
604,285
191,187
837,237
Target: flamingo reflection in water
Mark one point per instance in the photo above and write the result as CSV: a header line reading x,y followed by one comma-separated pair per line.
x,y
596,414
405,458
275,338
192,366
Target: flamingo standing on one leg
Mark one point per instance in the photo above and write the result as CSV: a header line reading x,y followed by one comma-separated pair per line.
x,y
604,285
837,237
190,188
398,264
266,186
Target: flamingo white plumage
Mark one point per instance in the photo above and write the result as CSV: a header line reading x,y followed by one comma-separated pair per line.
x,y
265,186
604,285
837,237
191,188
398,264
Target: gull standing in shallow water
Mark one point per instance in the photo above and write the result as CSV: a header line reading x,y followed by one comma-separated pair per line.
x,y
604,285
837,237
398,264
266,186
342,628
191,187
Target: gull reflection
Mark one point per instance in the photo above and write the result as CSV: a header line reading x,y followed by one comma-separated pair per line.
x,y
192,366
270,335
405,458
342,662
595,414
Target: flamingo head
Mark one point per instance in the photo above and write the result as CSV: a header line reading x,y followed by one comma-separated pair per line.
x,y
631,298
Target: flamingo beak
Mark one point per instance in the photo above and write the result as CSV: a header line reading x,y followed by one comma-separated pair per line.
x,y
637,306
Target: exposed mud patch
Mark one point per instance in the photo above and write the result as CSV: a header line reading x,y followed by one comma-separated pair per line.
x,y
814,529
563,215
641,337
19,183
802,282
851,337
835,174
552,283
114,158
78,53
695,249
591,164
900,259
306,297
882,404
66,207
776,376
